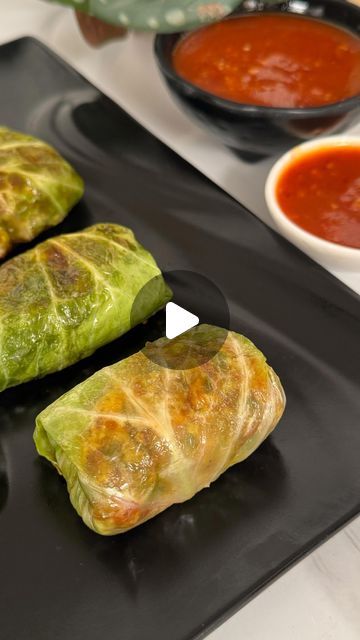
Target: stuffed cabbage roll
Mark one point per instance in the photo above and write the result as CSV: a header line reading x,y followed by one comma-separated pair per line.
x,y
137,437
70,295
37,188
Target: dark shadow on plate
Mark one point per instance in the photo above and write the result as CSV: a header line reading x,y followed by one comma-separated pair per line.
x,y
250,157
53,492
123,146
76,220
4,482
15,407
179,531
168,544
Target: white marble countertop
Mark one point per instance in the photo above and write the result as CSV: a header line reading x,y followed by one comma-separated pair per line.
x,y
319,598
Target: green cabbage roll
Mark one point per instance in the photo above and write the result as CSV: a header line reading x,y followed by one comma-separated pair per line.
x,y
138,437
37,188
70,295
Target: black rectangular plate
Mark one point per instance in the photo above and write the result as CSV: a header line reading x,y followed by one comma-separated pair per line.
x,y
182,573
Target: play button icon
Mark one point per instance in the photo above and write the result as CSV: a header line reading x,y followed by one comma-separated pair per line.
x,y
178,320
196,301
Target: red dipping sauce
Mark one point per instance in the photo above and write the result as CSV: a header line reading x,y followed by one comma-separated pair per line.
x,y
320,192
272,60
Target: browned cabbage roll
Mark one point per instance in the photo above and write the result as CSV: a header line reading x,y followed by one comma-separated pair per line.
x,y
137,437
37,188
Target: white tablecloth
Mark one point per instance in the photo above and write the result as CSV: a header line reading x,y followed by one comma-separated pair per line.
x,y
319,599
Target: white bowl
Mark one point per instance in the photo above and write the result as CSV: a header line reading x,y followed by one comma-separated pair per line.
x,y
327,253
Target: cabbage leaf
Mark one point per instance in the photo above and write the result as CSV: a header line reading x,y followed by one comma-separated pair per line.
x,y
137,437
37,188
70,295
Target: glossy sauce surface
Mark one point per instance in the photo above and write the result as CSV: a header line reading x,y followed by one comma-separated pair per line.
x,y
320,192
272,60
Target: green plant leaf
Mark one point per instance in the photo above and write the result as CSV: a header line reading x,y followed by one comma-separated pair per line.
x,y
155,15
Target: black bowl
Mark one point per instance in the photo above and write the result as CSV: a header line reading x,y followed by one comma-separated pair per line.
x,y
260,130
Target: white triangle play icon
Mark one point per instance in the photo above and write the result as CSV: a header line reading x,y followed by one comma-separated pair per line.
x,y
178,320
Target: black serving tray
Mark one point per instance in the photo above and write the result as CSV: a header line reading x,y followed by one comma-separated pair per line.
x,y
181,574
